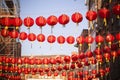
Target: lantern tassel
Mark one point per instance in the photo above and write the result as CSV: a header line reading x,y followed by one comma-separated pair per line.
x,y
113,59
77,24
118,17
91,24
119,43
105,21
110,1
6,27
17,27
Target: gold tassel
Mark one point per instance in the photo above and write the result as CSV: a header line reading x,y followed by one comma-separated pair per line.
x,y
105,21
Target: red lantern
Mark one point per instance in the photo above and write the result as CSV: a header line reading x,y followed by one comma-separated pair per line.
x,y
114,55
99,58
14,34
64,73
81,55
67,59
118,38
116,10
91,15
102,72
61,39
31,37
41,21
41,37
52,20
80,40
89,54
17,22
74,57
6,22
28,22
51,39
89,40
107,70
52,60
97,51
107,57
4,32
99,39
77,17
72,66
23,36
63,19
106,49
109,39
70,39
19,61
104,13
26,61
59,59
45,61
55,73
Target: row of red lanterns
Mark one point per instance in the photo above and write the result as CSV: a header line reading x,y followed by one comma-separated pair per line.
x,y
63,19
80,59
40,71
70,75
60,39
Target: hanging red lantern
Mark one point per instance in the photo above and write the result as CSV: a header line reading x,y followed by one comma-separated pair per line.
x,y
99,39
89,40
74,57
17,22
28,22
49,73
38,62
51,39
26,61
72,66
67,59
82,55
102,72
107,57
6,21
77,17
55,74
41,22
106,49
52,60
116,10
52,20
45,61
80,40
109,38
91,15
31,37
99,58
61,39
70,39
118,38
4,32
59,60
63,19
114,55
14,34
104,13
97,51
107,70
23,36
19,61
41,37
89,54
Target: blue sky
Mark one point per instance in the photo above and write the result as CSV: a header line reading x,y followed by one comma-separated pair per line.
x,y
35,8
